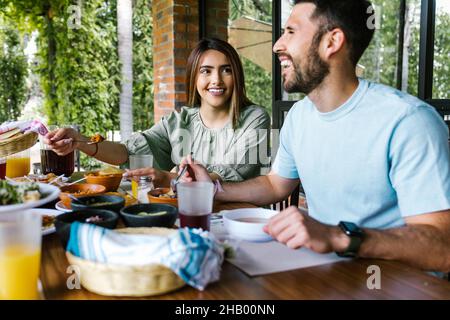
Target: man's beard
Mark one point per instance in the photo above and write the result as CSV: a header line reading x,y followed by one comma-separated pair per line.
x,y
311,77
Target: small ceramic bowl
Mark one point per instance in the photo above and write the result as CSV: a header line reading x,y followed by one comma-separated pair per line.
x,y
105,202
79,190
110,181
64,221
149,215
247,224
154,196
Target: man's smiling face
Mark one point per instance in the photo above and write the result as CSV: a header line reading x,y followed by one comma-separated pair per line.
x,y
298,51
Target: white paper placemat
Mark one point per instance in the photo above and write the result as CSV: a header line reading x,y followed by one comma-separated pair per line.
x,y
258,258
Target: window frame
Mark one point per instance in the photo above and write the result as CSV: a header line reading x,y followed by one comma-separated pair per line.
x,y
426,61
279,106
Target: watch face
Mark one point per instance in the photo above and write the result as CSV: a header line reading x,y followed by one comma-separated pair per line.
x,y
351,228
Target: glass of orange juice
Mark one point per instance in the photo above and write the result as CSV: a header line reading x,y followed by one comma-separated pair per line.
x,y
138,161
18,164
20,255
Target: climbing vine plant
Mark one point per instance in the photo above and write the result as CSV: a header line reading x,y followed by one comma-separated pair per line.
x,y
142,65
78,63
13,71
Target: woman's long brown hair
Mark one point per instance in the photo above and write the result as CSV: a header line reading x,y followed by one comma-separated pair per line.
x,y
239,98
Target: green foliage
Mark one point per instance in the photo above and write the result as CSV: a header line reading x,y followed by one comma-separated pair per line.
x,y
380,58
413,61
258,9
441,71
13,71
142,65
78,64
79,72
258,83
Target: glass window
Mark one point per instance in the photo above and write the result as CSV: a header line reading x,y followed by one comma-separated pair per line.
x,y
441,67
286,7
379,61
250,33
411,48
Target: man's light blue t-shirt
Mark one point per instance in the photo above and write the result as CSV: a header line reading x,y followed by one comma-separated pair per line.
x,y
381,156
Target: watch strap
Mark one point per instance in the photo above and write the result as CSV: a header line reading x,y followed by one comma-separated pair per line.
x,y
356,236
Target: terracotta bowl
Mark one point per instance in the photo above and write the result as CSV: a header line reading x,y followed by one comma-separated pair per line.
x,y
153,197
79,190
111,181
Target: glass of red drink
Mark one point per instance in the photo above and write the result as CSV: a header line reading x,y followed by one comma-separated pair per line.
x,y
53,163
2,168
195,203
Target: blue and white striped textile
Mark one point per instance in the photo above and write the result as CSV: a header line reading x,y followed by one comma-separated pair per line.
x,y
193,254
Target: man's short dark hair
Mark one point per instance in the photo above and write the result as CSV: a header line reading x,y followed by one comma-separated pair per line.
x,y
351,16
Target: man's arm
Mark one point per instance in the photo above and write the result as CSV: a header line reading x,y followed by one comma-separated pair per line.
x,y
260,191
424,242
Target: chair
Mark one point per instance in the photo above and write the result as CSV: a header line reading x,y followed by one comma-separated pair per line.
x,y
292,200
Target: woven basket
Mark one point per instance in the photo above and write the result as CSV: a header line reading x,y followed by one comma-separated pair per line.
x,y
131,281
17,144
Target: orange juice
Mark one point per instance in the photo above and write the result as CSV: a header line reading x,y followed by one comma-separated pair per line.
x,y
19,271
134,189
17,167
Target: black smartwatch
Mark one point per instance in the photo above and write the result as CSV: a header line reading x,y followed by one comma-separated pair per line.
x,y
356,235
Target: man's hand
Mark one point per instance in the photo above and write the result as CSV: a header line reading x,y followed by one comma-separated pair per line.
x,y
200,172
296,230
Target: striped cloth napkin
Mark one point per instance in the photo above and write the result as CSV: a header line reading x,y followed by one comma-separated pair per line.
x,y
193,254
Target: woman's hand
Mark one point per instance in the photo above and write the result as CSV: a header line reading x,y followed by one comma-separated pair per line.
x,y
200,172
160,178
63,141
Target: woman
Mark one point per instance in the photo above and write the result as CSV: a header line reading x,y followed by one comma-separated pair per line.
x,y
221,127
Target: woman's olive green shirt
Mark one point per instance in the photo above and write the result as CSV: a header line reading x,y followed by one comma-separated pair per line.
x,y
234,155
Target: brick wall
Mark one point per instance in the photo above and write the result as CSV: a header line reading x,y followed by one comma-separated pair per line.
x,y
175,33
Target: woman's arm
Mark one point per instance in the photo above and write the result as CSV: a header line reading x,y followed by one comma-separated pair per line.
x,y
65,140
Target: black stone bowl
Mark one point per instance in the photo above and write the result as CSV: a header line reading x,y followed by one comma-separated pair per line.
x,y
64,221
110,202
131,218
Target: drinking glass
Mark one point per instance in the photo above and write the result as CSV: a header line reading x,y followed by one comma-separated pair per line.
x,y
18,164
195,204
20,255
53,163
2,168
138,161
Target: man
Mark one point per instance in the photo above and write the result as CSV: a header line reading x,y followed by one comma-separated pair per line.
x,y
374,162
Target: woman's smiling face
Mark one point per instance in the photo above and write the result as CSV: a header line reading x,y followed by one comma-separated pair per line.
x,y
215,79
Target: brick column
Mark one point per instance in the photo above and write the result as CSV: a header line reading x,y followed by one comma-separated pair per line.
x,y
175,33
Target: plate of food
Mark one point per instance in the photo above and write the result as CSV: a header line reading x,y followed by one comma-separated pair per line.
x,y
25,195
48,219
50,178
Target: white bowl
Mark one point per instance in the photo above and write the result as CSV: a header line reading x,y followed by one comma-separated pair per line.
x,y
247,224
48,193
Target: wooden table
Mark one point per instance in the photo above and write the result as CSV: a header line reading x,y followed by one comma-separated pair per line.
x,y
341,280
